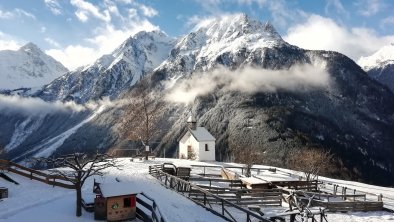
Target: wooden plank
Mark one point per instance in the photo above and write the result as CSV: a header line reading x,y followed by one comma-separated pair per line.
x,y
350,205
44,180
215,180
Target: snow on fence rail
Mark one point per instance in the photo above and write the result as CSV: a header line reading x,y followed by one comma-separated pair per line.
x,y
257,169
148,210
54,180
184,187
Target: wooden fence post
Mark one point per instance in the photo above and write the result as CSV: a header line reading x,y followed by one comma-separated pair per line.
x,y
380,197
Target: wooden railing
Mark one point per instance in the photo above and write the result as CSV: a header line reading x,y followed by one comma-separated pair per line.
x,y
260,197
243,169
54,180
211,181
223,210
155,212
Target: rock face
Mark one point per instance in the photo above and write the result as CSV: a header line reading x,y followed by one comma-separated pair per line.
x,y
380,66
111,74
353,116
27,67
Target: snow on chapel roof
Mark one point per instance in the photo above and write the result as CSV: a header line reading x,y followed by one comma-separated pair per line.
x,y
202,134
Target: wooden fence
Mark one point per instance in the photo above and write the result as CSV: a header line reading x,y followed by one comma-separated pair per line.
x,y
334,206
261,197
54,180
243,169
184,187
149,205
212,181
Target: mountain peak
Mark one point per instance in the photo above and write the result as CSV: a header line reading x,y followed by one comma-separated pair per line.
x,y
382,57
230,27
30,47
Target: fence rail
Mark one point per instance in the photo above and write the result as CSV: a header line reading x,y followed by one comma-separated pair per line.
x,y
155,213
184,187
54,180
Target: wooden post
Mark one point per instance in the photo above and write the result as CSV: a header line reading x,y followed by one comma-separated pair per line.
x,y
380,197
354,193
222,207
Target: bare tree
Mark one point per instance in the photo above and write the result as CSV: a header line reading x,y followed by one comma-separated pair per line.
x,y
246,152
77,167
141,116
311,161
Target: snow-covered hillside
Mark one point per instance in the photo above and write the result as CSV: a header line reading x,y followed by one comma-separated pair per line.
x,y
380,65
28,67
36,201
383,56
114,73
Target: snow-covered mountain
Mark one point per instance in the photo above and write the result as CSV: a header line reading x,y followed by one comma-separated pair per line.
x,y
219,41
353,116
28,67
380,65
114,73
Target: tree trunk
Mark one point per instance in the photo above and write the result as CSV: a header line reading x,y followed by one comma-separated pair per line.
x,y
248,169
79,199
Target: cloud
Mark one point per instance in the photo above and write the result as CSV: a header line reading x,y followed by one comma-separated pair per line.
x,y
249,80
29,106
148,11
369,7
388,21
320,33
9,43
16,13
85,8
52,42
73,56
280,11
54,6
337,6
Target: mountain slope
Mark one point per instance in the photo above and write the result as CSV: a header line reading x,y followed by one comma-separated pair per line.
x,y
380,65
353,117
27,67
350,114
111,74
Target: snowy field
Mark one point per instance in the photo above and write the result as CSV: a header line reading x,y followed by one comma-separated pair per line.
x,y
36,201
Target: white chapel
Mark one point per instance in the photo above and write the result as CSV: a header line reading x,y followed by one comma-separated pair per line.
x,y
196,143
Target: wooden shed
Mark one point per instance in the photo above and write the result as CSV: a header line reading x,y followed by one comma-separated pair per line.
x,y
115,201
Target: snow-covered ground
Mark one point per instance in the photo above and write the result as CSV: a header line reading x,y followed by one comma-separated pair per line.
x,y
36,201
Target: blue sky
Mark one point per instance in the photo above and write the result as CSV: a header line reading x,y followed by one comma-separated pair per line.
x,y
76,32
